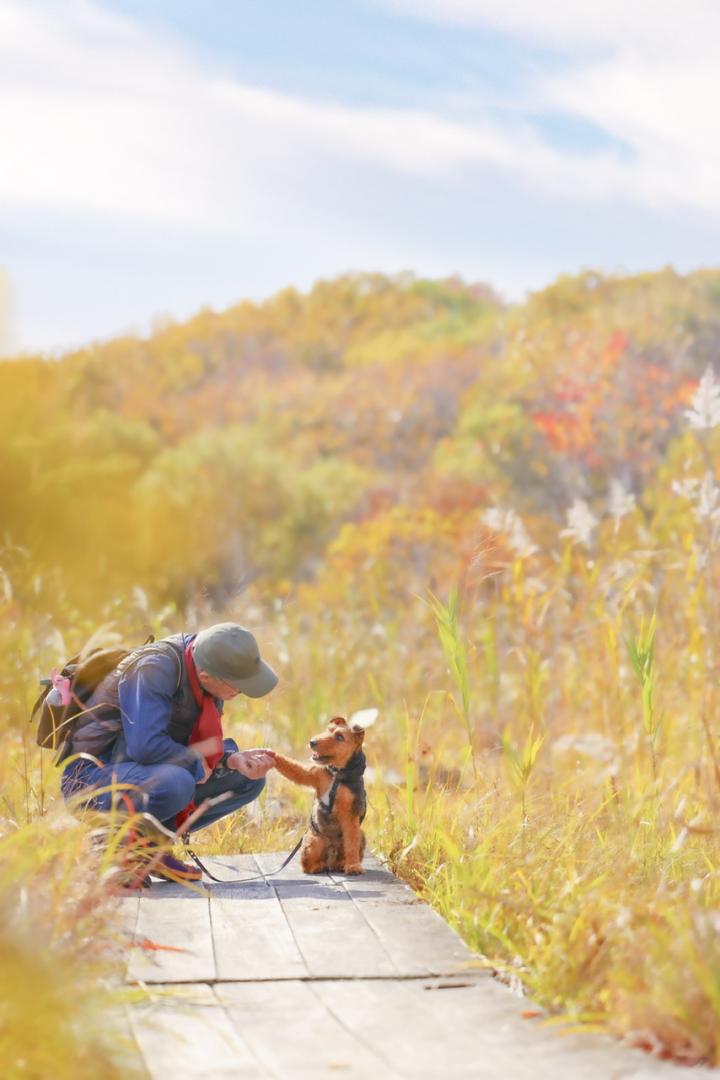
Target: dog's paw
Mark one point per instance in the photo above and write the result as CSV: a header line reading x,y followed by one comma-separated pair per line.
x,y
354,868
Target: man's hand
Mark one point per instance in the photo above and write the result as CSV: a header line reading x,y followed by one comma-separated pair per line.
x,y
203,748
251,763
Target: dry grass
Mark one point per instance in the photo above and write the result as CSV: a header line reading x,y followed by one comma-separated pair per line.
x,y
59,945
544,771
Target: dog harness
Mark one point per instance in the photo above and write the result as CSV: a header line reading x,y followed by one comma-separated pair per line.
x,y
351,775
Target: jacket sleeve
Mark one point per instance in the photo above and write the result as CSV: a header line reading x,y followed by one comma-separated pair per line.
x,y
146,695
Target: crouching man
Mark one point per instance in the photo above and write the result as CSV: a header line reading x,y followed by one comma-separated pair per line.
x,y
153,730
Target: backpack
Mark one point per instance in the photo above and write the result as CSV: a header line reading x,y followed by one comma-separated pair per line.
x,y
85,672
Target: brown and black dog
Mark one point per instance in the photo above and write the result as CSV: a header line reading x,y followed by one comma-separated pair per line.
x,y
334,840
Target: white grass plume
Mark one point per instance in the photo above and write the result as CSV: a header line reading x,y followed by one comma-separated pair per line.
x,y
510,524
705,410
581,522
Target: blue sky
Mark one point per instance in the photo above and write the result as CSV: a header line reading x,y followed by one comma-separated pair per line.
x,y
157,156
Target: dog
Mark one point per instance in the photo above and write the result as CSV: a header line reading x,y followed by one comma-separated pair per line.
x,y
334,840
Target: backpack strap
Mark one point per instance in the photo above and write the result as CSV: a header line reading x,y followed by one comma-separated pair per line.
x,y
160,648
178,660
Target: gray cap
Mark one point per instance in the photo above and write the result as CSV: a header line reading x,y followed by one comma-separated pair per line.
x,y
229,652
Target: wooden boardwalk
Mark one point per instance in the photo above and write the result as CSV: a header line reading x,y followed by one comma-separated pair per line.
x,y
293,976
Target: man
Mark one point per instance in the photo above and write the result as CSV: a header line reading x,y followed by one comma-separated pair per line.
x,y
151,732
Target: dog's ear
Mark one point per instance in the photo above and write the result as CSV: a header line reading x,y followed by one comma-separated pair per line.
x,y
358,732
363,719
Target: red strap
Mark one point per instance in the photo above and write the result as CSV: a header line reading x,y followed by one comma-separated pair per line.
x,y
208,724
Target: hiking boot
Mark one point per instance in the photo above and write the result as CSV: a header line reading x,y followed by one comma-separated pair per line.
x,y
171,869
145,853
135,873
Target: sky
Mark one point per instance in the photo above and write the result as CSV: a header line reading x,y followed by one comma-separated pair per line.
x,y
160,156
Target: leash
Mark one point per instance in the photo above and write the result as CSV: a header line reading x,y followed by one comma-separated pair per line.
x,y
183,833
232,881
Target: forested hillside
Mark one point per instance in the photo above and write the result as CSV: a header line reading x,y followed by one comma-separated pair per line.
x,y
236,446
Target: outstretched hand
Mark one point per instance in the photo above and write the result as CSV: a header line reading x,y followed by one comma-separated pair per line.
x,y
252,763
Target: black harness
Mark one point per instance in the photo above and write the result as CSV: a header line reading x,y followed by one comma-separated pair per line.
x,y
351,775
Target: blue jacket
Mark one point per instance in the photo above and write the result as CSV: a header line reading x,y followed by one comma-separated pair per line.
x,y
145,711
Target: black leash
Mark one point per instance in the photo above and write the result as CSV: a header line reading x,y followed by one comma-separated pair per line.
x,y
183,834
232,881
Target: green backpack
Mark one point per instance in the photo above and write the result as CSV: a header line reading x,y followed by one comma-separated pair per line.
x,y
84,672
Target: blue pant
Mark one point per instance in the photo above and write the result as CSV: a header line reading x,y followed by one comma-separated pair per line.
x,y
161,790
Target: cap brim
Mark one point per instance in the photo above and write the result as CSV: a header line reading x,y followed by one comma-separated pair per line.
x,y
258,685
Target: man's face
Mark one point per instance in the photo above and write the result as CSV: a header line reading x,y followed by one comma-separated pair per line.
x,y
217,687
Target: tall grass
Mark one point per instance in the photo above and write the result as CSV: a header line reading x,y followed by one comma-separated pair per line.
x,y
453,647
553,794
60,948
640,649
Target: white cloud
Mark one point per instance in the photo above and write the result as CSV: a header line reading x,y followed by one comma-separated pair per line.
x,y
664,111
593,24
98,117
644,71
111,131
102,116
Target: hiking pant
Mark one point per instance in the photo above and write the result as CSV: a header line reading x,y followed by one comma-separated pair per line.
x,y
162,790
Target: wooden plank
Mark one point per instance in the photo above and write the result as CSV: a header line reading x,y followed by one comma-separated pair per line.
x,y
296,1036
378,886
173,937
369,1029
251,935
475,1031
126,1053
418,940
292,874
330,976
371,861
127,912
416,937
187,1033
400,1019
377,883
232,870
403,930
330,931
127,909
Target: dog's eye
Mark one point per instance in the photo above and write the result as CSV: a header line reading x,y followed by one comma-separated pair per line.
x,y
340,738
